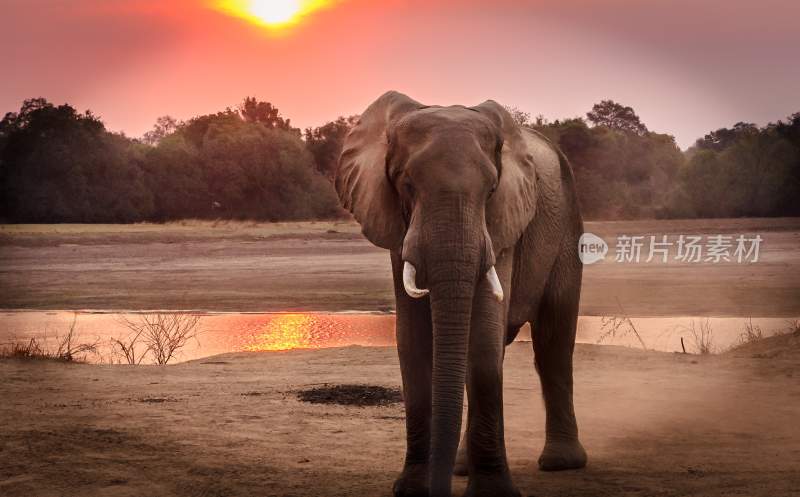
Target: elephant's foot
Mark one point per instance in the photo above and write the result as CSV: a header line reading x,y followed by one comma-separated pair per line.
x,y
491,485
562,454
412,482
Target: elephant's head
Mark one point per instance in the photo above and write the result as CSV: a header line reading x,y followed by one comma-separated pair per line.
x,y
448,188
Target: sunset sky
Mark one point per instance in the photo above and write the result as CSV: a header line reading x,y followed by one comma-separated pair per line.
x,y
685,66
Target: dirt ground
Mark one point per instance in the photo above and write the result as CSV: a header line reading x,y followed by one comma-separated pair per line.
x,y
654,424
326,266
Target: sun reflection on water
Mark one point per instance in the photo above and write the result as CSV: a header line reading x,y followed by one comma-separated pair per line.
x,y
313,331
285,332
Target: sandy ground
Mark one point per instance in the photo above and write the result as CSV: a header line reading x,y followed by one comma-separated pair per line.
x,y
330,267
654,424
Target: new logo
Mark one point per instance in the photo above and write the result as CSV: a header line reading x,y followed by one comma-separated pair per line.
x,y
591,248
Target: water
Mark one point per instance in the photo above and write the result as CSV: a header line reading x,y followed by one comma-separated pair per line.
x,y
219,333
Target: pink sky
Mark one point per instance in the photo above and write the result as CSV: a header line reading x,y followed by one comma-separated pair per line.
x,y
685,66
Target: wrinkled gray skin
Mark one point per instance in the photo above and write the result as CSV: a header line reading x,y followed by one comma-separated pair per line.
x,y
455,191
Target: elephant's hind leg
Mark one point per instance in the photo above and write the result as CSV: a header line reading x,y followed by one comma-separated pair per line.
x,y
553,344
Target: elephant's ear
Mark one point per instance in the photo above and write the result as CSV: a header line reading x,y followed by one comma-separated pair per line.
x,y
361,179
513,204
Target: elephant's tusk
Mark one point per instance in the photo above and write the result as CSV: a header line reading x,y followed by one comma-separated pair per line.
x,y
494,281
410,282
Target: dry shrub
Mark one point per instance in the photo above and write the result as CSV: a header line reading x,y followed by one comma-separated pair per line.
x,y
128,348
68,348
701,335
163,334
751,333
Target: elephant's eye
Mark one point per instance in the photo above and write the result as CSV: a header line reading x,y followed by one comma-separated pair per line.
x,y
408,189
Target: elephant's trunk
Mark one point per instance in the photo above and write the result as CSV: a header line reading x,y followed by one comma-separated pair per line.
x,y
453,266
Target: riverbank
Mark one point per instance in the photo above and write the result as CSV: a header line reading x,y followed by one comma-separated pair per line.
x,y
219,333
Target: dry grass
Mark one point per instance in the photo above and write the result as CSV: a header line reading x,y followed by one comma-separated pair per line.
x,y
67,347
31,349
754,334
618,325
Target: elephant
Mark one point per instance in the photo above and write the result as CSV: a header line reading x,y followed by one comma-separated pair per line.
x,y
482,222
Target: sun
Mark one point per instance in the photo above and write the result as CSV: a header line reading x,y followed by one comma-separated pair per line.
x,y
275,11
273,14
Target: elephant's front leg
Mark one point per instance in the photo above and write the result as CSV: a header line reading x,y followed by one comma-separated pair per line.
x,y
415,350
486,451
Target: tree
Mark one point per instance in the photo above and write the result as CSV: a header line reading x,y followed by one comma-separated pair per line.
x,y
165,126
616,116
725,137
176,179
325,143
519,116
255,111
257,172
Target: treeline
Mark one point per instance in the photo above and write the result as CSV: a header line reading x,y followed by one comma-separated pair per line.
x,y
625,171
59,165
